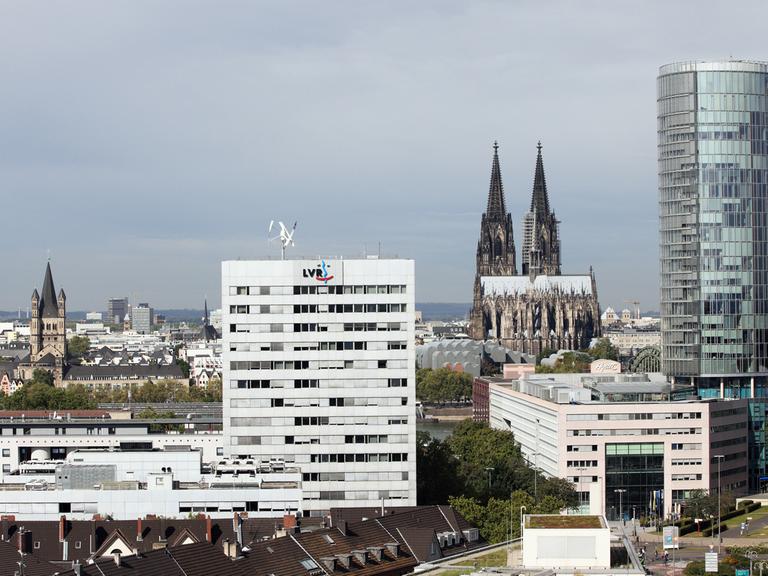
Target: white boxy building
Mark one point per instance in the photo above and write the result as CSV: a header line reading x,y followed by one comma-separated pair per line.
x,y
136,483
318,369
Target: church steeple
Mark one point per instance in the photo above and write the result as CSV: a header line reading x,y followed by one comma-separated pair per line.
x,y
496,209
496,247
48,306
541,236
539,198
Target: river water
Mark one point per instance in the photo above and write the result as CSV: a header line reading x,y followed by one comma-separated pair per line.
x,y
439,430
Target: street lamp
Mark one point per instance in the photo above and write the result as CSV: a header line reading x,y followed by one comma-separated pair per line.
x,y
521,523
620,492
719,539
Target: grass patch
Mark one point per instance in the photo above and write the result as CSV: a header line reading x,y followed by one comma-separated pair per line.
x,y
457,572
736,521
557,521
492,559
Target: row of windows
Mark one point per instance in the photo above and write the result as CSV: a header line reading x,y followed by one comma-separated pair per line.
x,y
637,432
582,463
686,462
275,328
375,495
286,290
636,416
312,346
688,477
315,364
315,308
338,458
352,383
353,476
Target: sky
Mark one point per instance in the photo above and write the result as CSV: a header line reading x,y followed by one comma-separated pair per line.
x,y
142,142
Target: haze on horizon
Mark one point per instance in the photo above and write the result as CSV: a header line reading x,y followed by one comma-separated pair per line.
x,y
142,142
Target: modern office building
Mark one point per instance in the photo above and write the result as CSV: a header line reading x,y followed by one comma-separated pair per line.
x,y
318,368
713,206
621,434
141,318
117,308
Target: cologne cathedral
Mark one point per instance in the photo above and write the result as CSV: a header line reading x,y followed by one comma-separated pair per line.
x,y
541,308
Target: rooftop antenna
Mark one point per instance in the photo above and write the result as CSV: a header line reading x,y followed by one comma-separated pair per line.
x,y
285,236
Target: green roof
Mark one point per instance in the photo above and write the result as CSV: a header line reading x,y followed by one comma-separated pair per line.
x,y
558,521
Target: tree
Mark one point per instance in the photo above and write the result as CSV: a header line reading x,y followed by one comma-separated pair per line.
x,y
42,376
435,470
443,385
569,363
603,349
77,347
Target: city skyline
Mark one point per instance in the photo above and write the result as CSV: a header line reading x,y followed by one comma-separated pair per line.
x,y
376,126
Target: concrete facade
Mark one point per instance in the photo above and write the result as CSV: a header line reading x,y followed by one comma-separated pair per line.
x,y
566,434
318,368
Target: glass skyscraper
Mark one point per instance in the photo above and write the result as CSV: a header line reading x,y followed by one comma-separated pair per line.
x,y
713,195
713,179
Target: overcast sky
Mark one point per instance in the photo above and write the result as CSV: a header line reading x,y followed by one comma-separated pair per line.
x,y
142,142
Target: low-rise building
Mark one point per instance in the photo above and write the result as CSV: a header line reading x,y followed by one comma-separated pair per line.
x,y
40,435
133,482
620,438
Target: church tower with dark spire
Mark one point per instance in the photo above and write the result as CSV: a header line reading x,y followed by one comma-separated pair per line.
x,y
541,234
496,247
47,329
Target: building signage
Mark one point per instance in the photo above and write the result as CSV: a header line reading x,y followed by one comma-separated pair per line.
x,y
318,272
710,562
321,272
742,572
671,537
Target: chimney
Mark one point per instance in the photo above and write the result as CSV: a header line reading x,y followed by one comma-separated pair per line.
x,y
361,556
329,562
289,521
77,568
343,527
62,528
209,530
24,536
393,548
139,530
344,559
237,522
116,555
231,549
375,552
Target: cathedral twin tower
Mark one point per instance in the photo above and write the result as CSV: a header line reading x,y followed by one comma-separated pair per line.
x,y
541,308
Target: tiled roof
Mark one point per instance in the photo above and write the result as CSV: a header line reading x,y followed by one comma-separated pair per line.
x,y
201,559
331,551
84,537
9,556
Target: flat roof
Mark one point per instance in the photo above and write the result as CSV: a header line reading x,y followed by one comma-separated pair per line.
x,y
555,521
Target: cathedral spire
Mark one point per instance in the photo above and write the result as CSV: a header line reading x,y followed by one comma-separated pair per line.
x,y
496,209
539,198
48,306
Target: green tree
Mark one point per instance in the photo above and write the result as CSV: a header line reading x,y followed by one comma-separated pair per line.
x,y
77,347
42,376
571,362
443,385
603,349
435,470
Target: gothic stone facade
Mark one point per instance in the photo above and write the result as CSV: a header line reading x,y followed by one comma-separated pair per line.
x,y
47,332
540,309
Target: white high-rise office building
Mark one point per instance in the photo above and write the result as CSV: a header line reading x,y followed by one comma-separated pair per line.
x,y
319,368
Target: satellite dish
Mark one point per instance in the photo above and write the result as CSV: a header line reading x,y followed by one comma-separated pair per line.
x,y
285,236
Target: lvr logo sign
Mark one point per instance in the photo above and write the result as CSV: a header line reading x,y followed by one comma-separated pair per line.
x,y
321,273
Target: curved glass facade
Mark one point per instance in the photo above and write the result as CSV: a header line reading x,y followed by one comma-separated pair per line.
x,y
713,204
